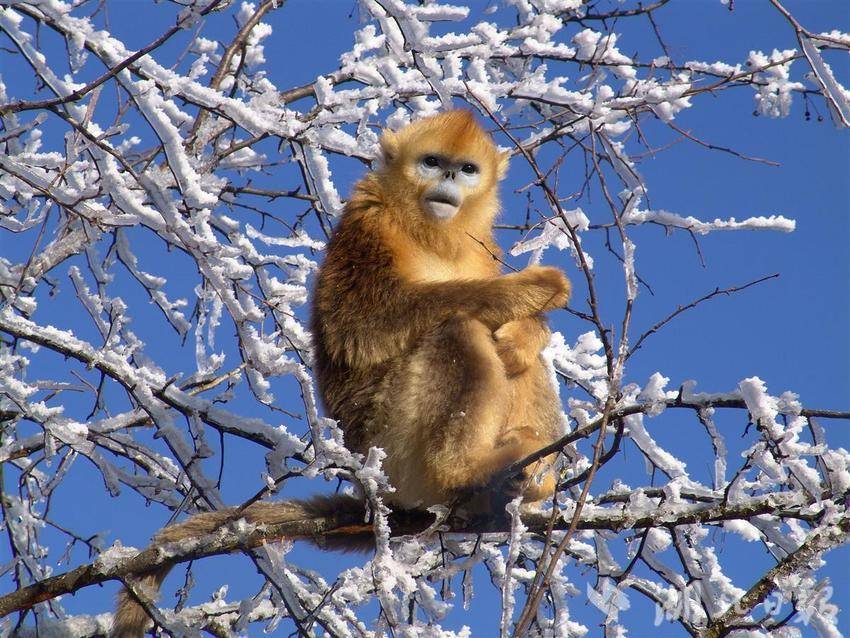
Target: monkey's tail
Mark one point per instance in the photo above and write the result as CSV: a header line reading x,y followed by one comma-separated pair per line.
x,y
131,619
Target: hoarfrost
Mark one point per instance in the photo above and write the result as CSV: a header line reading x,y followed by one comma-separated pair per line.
x,y
188,165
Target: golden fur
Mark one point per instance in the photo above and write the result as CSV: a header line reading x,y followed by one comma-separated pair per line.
x,y
422,347
131,618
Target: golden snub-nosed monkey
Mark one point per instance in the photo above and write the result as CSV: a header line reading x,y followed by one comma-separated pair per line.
x,y
422,347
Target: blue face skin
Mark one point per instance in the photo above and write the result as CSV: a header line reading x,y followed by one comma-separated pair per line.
x,y
449,180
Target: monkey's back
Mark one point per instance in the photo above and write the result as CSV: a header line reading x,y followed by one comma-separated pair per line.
x,y
353,344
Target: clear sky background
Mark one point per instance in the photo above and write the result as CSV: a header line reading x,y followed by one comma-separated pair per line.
x,y
792,332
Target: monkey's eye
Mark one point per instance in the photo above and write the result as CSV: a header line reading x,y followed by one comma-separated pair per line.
x,y
431,161
469,169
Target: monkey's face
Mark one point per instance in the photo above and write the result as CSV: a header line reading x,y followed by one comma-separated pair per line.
x,y
446,183
443,167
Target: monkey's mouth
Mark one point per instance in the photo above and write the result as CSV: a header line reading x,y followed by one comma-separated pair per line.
x,y
441,205
443,198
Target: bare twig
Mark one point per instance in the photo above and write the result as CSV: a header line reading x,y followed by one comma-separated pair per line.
x,y
680,309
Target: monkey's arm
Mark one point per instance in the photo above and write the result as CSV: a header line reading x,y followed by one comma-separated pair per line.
x,y
373,316
496,301
365,311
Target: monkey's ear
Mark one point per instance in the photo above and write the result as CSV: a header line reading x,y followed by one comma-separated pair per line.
x,y
502,160
389,145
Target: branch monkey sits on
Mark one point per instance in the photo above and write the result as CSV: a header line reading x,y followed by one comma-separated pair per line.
x,y
422,347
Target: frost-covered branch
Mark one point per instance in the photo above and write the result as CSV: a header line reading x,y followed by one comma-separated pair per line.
x,y
163,211
782,575
121,562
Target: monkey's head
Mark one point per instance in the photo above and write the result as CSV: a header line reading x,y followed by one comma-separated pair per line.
x,y
445,166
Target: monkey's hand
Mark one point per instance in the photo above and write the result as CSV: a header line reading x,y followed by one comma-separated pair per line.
x,y
519,343
548,287
537,481
495,301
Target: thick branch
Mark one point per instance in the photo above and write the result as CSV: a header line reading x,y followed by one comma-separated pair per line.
x,y
340,524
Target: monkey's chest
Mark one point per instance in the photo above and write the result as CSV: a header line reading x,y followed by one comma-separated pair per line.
x,y
431,268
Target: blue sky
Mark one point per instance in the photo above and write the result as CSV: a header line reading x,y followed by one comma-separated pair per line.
x,y
791,331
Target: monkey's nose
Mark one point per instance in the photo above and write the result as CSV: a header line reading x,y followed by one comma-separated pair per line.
x,y
450,174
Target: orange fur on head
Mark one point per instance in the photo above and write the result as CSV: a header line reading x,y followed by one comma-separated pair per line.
x,y
455,134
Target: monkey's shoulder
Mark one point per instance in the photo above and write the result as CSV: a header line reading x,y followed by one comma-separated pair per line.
x,y
356,255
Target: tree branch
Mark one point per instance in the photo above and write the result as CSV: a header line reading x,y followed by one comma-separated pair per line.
x,y
16,107
333,528
820,541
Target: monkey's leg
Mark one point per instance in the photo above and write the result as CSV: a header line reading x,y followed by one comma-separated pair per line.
x,y
520,342
535,415
446,408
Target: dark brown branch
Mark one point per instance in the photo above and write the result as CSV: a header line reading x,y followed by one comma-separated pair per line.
x,y
625,13
542,577
584,432
271,194
715,147
333,527
837,105
237,43
694,304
